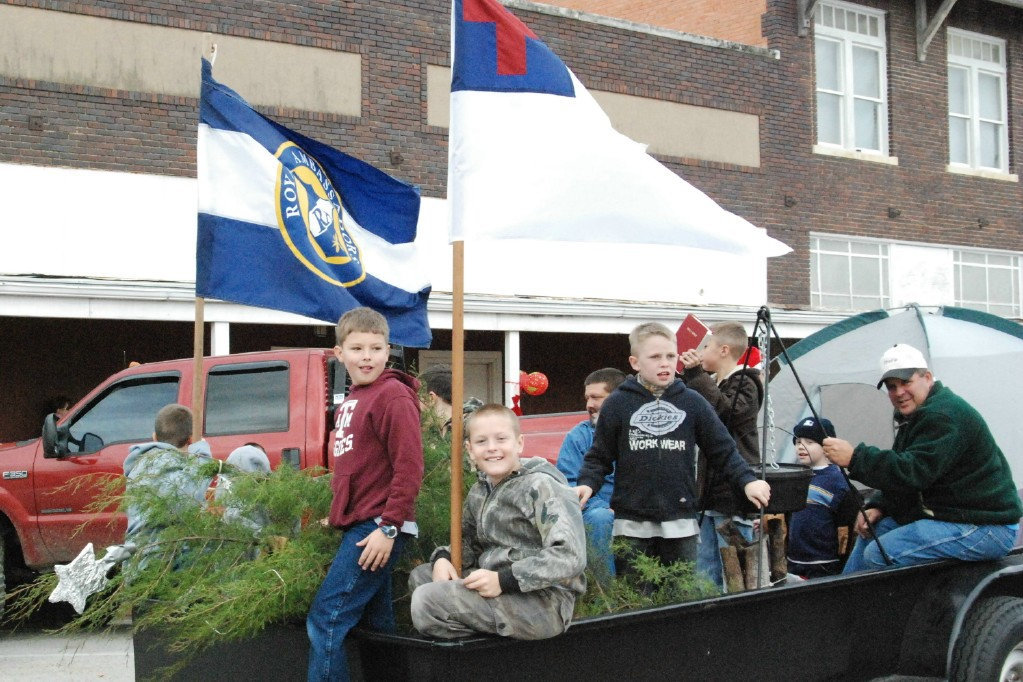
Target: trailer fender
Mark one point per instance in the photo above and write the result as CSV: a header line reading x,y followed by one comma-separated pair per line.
x,y
937,617
1007,581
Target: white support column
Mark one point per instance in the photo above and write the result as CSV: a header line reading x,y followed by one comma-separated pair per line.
x,y
511,366
220,338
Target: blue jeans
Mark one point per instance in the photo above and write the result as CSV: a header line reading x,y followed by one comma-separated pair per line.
x,y
929,540
599,520
349,596
708,559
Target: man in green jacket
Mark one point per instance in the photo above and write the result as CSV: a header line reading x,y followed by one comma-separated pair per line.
x,y
945,488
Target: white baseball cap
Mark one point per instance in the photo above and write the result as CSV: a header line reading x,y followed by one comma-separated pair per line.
x,y
901,361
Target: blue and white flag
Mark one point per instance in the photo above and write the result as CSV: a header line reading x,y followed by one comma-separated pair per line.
x,y
288,223
532,155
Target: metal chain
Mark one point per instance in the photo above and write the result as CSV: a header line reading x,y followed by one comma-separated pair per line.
x,y
763,341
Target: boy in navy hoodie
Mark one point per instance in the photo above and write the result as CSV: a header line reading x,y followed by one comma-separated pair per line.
x,y
377,472
650,429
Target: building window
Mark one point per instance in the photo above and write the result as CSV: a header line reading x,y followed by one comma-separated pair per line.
x,y
987,281
978,135
848,274
851,67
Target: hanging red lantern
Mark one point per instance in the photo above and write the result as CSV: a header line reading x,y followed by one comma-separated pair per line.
x,y
535,383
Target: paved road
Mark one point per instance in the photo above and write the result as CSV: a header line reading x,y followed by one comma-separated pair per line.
x,y
29,653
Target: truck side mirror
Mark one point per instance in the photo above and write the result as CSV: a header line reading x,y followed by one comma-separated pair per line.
x,y
55,438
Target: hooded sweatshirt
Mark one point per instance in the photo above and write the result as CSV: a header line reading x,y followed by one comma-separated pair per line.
x,y
169,472
736,400
652,443
378,453
527,528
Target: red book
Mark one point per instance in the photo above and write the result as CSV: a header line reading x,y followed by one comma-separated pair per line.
x,y
692,335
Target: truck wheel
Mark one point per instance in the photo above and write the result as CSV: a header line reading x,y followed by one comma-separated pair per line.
x,y
990,647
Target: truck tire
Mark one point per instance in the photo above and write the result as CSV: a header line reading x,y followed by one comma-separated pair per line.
x,y
990,647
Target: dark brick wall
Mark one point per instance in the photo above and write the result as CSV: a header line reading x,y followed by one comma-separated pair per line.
x,y
53,124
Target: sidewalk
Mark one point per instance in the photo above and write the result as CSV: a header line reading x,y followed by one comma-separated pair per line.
x,y
32,656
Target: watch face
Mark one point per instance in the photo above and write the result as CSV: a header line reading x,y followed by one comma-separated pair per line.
x,y
389,531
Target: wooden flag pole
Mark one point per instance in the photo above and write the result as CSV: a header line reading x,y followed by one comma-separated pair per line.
x,y
197,353
457,398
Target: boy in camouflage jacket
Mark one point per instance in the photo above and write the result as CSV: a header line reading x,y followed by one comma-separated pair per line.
x,y
523,545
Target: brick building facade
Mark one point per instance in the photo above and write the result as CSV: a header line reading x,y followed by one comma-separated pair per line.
x,y
81,117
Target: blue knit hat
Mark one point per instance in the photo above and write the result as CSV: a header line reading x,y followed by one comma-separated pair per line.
x,y
814,430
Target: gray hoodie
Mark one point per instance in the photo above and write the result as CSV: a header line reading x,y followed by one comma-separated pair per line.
x,y
528,528
167,471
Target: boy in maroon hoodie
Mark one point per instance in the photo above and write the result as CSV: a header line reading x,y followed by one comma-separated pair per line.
x,y
378,468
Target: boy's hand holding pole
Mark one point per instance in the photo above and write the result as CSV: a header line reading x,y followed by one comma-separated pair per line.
x,y
444,570
584,493
758,492
377,550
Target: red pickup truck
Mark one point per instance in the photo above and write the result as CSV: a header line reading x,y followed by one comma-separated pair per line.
x,y
282,400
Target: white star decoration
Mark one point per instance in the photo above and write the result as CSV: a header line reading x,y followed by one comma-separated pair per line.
x,y
85,575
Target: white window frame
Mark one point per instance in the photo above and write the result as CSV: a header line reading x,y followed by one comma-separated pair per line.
x,y
974,68
986,305
884,274
886,284
848,40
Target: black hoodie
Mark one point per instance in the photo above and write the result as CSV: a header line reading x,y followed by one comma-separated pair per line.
x,y
652,443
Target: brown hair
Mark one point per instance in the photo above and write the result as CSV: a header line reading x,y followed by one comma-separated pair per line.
x,y
494,409
733,335
644,331
361,320
609,376
174,425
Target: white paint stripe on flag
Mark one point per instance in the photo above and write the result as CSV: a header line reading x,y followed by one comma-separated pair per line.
x,y
237,177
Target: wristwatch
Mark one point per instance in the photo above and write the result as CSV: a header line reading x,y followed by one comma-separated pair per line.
x,y
390,532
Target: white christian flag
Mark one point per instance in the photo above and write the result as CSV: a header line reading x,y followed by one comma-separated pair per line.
x,y
533,156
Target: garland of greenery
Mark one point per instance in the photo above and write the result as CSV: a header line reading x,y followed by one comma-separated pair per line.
x,y
203,578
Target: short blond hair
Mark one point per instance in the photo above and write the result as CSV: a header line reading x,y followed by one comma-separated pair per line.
x,y
494,409
644,331
361,320
733,335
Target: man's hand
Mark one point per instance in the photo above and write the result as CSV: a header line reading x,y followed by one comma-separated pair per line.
x,y
690,359
758,492
584,493
861,524
839,451
378,550
444,570
485,582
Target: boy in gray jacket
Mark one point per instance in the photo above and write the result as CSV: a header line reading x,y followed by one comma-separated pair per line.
x,y
523,545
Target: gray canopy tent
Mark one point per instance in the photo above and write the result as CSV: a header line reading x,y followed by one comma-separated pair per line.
x,y
977,355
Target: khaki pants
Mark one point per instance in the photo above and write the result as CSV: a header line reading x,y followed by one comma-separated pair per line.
x,y
447,610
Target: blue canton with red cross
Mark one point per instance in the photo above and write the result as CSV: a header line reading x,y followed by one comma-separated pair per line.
x,y
496,52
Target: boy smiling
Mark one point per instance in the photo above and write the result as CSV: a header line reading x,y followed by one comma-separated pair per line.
x,y
523,545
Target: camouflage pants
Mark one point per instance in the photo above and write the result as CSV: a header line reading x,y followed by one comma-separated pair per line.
x,y
447,610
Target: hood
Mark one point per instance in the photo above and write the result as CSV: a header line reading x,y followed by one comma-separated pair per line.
x,y
409,381
138,450
540,466
200,449
632,385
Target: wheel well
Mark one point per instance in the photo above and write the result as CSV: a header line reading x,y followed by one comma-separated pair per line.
x,y
13,557
1006,583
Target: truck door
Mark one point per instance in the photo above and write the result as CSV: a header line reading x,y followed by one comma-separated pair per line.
x,y
101,434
